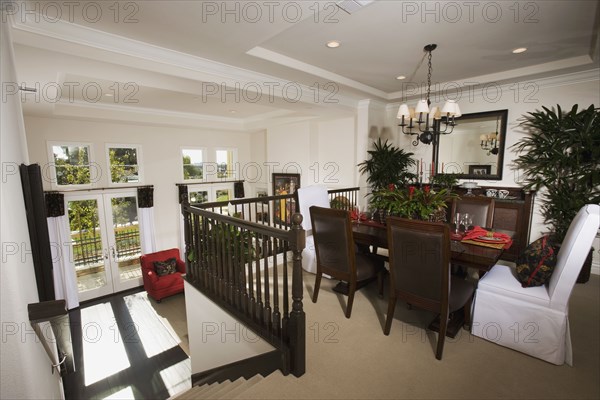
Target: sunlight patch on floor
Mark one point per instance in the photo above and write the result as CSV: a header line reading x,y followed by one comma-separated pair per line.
x,y
103,350
155,332
123,394
172,377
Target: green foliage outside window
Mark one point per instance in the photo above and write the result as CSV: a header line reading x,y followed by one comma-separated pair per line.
x,y
72,165
191,171
123,165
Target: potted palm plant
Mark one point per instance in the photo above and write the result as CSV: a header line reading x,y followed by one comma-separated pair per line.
x,y
561,154
387,164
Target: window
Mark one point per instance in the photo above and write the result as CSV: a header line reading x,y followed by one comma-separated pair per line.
x,y
193,167
124,163
225,163
71,164
203,193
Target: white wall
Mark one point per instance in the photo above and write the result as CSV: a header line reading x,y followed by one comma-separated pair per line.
x,y
336,155
215,337
323,152
288,151
161,156
25,367
257,178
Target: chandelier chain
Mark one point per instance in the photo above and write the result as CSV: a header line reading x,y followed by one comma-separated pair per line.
x,y
429,78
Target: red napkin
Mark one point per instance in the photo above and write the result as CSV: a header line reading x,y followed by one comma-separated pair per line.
x,y
355,215
479,234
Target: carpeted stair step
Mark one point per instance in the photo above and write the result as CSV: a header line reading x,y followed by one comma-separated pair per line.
x,y
223,390
234,390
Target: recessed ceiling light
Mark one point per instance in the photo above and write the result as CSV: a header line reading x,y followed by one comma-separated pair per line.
x,y
332,44
108,94
519,50
400,77
232,111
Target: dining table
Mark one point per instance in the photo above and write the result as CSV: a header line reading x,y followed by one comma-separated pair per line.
x,y
479,255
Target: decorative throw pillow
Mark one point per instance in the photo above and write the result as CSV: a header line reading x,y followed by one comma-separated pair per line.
x,y
166,267
536,263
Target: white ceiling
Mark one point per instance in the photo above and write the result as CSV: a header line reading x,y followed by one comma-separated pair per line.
x,y
245,65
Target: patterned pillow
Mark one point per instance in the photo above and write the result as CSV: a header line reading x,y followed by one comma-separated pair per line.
x,y
536,263
166,267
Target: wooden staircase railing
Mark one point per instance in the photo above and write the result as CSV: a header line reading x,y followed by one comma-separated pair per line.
x,y
242,262
243,267
267,210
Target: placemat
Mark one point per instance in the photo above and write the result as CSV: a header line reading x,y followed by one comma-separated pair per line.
x,y
486,244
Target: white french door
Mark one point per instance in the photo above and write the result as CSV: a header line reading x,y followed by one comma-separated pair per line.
x,y
105,239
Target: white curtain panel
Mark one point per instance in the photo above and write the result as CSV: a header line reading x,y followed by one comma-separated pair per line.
x,y
148,241
65,280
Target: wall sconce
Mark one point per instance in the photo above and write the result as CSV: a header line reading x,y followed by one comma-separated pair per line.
x,y
489,142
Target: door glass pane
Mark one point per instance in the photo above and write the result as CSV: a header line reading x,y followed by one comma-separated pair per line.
x,y
86,240
199,197
127,250
222,195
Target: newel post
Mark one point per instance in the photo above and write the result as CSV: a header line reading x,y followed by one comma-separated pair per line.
x,y
297,322
187,233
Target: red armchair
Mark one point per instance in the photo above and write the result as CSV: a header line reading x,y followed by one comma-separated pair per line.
x,y
159,287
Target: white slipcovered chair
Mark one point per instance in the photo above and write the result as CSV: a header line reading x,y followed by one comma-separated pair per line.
x,y
535,320
315,195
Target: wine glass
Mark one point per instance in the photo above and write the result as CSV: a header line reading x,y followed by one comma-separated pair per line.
x,y
457,222
360,211
467,221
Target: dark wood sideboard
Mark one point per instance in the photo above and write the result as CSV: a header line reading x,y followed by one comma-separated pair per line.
x,y
513,213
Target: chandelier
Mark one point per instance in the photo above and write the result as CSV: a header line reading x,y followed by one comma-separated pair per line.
x,y
489,142
423,122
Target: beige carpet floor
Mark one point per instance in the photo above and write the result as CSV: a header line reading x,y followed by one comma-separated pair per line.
x,y
352,359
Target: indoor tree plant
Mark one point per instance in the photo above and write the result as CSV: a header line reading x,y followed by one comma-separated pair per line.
x,y
561,154
387,164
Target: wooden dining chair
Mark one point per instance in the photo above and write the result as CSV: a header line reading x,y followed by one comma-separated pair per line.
x,y
481,209
420,273
337,256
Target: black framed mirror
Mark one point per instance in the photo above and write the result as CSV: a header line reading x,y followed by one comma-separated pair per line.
x,y
475,148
